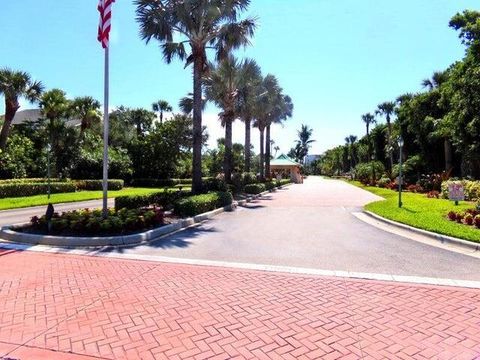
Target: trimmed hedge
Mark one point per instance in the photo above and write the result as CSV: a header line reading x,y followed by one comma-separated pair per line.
x,y
165,199
198,204
30,189
283,182
254,189
270,185
113,184
33,180
155,183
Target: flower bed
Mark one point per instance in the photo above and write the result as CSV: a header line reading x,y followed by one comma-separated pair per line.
x,y
470,217
90,222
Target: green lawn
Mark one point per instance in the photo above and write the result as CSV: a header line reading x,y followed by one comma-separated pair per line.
x,y
19,202
421,212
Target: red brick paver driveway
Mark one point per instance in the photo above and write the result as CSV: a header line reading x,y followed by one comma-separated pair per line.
x,y
74,307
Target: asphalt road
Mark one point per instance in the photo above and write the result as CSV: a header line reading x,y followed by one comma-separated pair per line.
x,y
16,216
310,225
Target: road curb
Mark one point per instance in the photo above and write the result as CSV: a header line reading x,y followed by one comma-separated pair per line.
x,y
444,239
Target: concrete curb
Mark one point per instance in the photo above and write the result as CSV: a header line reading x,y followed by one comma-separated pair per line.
x,y
444,239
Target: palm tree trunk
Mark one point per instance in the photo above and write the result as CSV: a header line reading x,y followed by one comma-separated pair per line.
x,y
227,160
161,117
10,110
267,153
390,150
247,143
197,126
448,154
262,156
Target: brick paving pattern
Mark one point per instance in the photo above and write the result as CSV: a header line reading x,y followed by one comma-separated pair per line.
x,y
74,307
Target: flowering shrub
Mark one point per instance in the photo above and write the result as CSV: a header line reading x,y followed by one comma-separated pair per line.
x,y
433,194
452,215
468,219
91,222
415,188
476,221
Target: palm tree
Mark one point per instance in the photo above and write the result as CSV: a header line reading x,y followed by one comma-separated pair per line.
x,y
250,80
276,148
369,119
438,78
56,108
387,109
14,85
186,104
304,141
160,106
282,109
221,87
87,109
201,24
267,94
352,139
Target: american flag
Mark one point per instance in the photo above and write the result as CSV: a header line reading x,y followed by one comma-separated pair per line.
x,y
105,9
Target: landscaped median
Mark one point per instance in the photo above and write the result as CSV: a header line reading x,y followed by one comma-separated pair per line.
x,y
134,219
422,212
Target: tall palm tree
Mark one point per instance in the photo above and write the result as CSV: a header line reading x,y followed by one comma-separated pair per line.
x,y
161,106
276,148
250,80
387,109
369,119
267,94
87,109
352,139
282,109
200,24
221,87
14,85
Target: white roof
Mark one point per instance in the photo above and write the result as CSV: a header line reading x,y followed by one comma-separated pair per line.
x,y
34,115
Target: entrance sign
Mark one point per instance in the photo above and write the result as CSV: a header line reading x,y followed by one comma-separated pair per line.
x,y
456,192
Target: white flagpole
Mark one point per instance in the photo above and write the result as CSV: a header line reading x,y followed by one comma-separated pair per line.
x,y
105,137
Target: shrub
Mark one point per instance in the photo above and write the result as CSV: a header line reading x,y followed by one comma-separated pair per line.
x,y
476,221
433,194
255,189
198,204
383,182
415,188
282,182
98,184
214,184
30,189
364,171
154,183
468,219
471,189
460,217
165,199
32,180
85,222
452,215
270,185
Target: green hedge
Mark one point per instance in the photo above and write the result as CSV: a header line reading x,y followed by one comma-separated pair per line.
x,y
198,204
113,184
255,188
270,185
32,181
30,189
155,183
283,182
164,199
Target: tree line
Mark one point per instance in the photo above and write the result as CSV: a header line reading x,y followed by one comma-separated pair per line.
x,y
204,35
440,125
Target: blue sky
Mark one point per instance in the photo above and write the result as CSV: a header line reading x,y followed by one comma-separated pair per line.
x,y
337,59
